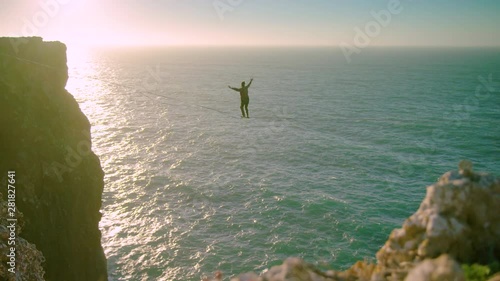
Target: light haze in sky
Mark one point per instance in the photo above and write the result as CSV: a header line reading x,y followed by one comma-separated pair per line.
x,y
255,22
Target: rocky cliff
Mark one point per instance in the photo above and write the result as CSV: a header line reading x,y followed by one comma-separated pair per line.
x,y
45,139
25,262
458,222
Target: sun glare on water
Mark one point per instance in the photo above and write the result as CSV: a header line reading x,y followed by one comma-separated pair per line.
x,y
83,82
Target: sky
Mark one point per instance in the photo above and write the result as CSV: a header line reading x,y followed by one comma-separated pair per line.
x,y
256,22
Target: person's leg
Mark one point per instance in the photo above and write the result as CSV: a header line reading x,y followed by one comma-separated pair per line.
x,y
242,112
246,102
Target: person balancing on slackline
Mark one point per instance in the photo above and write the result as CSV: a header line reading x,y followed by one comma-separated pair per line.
x,y
244,97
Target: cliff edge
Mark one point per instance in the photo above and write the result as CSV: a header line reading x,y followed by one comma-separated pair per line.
x,y
45,140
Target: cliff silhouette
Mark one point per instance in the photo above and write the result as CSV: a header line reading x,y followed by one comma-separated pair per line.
x,y
45,139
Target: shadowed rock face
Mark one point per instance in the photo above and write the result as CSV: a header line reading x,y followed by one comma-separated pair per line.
x,y
45,138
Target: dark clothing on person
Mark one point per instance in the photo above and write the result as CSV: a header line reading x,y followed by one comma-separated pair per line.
x,y
245,100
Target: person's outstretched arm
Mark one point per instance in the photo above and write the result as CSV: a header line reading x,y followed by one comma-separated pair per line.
x,y
251,80
234,89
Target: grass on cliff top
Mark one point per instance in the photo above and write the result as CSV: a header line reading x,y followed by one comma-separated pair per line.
x,y
477,272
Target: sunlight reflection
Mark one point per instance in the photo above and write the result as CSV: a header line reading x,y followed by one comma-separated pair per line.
x,y
83,82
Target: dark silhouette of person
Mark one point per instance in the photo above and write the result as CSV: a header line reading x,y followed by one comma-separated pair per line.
x,y
244,97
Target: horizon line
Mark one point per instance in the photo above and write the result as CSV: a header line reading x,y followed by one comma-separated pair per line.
x,y
267,46
73,43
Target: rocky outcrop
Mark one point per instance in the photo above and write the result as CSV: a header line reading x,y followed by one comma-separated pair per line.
x,y
458,222
442,268
45,139
27,260
459,216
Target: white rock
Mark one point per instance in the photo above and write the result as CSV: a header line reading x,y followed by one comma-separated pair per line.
x,y
437,226
442,268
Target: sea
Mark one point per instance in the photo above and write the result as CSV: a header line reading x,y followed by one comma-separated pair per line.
x,y
335,155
